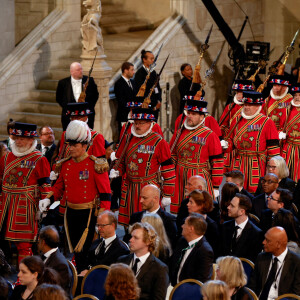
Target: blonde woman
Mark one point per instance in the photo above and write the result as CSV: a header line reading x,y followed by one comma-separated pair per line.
x,y
215,290
231,271
163,248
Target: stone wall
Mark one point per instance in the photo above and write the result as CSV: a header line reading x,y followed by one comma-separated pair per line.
x,y
7,25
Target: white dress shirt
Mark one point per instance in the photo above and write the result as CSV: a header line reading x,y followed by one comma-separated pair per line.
x,y
140,263
241,227
47,254
77,87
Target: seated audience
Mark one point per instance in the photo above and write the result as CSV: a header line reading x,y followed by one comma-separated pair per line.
x,y
107,249
296,197
151,273
260,202
163,248
193,256
277,270
231,271
277,166
285,219
4,289
240,237
150,198
228,191
121,283
238,178
215,290
47,291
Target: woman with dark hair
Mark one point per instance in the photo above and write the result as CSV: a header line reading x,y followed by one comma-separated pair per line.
x,y
229,190
49,292
285,218
121,283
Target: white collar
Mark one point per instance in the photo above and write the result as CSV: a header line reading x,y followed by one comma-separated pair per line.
x,y
125,79
46,146
109,240
192,128
250,117
18,154
278,97
76,80
241,225
141,135
236,101
293,103
151,212
195,240
282,256
142,258
147,69
48,253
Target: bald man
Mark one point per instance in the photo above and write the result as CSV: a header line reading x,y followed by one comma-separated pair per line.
x,y
150,201
277,270
69,89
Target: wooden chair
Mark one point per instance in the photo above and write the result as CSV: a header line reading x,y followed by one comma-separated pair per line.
x,y
254,296
213,276
255,218
186,290
85,297
248,266
74,278
288,296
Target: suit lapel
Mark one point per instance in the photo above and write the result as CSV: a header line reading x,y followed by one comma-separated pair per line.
x,y
285,270
70,91
145,267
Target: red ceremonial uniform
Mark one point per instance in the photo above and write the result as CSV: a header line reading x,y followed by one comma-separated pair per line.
x,y
255,141
276,109
209,122
291,146
96,146
25,180
197,152
146,160
155,128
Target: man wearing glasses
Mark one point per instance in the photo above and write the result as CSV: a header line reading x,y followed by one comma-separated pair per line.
x,y
47,145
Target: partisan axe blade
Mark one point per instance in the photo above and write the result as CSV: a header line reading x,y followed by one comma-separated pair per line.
x,y
153,65
205,46
211,70
294,39
163,66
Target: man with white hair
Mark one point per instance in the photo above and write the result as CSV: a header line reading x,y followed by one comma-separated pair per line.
x,y
25,179
69,90
84,190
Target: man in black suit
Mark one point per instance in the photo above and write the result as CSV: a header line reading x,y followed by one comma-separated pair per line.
x,y
238,178
150,272
147,58
277,270
47,145
125,92
48,245
240,237
69,90
107,249
269,184
193,257
149,198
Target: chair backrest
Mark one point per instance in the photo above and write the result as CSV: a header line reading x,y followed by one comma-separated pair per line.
x,y
254,217
214,272
187,289
125,244
288,296
85,297
254,296
295,208
93,281
248,266
74,278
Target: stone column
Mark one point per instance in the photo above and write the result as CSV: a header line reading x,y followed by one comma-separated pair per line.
x,y
92,45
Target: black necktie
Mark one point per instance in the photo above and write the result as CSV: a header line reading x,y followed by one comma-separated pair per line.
x,y
134,268
130,85
271,277
100,250
234,239
43,257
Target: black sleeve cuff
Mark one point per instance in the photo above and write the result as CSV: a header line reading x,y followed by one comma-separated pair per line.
x,y
274,142
44,180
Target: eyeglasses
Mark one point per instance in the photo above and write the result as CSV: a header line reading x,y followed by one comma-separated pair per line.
x,y
271,198
47,133
141,122
103,225
268,181
271,167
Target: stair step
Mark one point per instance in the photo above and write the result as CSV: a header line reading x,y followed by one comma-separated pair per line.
x,y
48,84
36,118
111,8
59,73
118,55
43,96
40,107
125,27
116,17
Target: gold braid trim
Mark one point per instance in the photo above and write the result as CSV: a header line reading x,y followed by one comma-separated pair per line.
x,y
101,164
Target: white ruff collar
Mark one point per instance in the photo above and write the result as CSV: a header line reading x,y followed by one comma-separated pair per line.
x,y
18,154
192,128
141,135
236,101
250,117
278,97
294,104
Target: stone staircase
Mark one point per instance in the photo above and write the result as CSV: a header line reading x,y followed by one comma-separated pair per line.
x,y
123,33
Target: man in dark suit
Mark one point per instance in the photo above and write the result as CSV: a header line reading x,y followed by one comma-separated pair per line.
x,y
149,198
150,272
107,249
47,145
69,90
269,185
240,237
147,58
277,270
125,92
193,257
53,258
